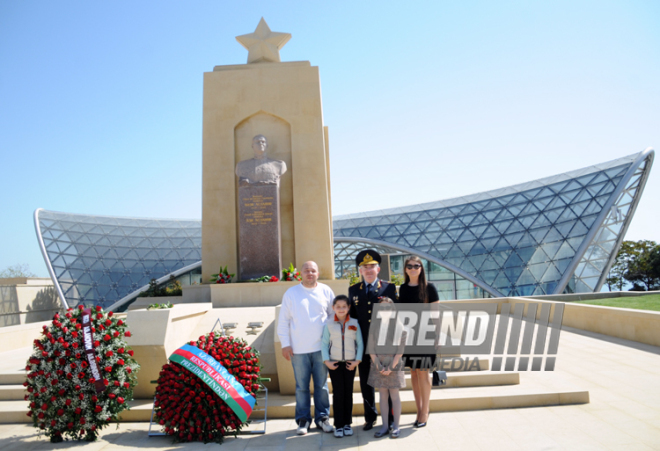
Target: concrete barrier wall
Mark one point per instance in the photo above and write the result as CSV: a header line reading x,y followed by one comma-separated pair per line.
x,y
642,326
27,300
20,336
249,294
155,335
592,296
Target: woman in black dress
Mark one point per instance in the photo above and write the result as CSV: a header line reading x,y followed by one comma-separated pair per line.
x,y
417,290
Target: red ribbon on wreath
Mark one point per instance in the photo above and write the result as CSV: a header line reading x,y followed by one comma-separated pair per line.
x,y
90,352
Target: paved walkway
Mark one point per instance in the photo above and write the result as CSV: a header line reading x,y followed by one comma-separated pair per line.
x,y
623,379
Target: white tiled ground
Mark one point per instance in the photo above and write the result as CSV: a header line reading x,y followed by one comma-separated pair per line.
x,y
623,379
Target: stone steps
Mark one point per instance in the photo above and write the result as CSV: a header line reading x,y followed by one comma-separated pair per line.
x,y
11,384
12,392
12,378
457,399
474,379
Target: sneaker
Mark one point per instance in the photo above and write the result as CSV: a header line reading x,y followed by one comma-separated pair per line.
x,y
325,425
303,426
348,431
339,432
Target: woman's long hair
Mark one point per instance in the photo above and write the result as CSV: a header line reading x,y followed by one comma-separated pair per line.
x,y
423,294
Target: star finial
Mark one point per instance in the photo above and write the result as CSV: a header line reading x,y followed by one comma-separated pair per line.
x,y
263,44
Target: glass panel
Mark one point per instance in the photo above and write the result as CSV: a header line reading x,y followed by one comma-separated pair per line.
x,y
445,290
438,272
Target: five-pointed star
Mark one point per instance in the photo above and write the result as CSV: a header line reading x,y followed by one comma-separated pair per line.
x,y
263,44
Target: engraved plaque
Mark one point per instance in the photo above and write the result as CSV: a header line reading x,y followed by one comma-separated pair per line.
x,y
259,246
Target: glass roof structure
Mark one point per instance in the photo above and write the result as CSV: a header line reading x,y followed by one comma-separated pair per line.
x,y
553,235
101,259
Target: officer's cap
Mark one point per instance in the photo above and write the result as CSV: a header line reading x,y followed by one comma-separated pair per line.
x,y
368,257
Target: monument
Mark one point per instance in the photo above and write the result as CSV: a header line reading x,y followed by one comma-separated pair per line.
x,y
265,174
259,242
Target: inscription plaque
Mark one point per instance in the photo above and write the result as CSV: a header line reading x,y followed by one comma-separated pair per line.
x,y
259,244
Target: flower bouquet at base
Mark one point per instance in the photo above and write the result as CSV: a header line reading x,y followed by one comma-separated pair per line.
x,y
290,274
223,276
190,410
66,399
266,279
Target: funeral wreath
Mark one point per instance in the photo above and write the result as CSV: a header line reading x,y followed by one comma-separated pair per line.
x,y
207,390
81,374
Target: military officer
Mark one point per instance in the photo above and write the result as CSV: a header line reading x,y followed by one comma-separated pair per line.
x,y
363,296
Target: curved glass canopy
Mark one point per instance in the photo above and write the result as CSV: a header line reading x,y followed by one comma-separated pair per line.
x,y
553,235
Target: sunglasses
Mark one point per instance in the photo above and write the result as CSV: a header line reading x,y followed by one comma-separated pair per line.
x,y
413,266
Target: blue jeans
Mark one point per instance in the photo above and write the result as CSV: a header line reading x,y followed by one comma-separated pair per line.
x,y
304,367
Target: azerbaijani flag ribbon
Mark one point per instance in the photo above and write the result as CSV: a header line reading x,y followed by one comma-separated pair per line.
x,y
216,376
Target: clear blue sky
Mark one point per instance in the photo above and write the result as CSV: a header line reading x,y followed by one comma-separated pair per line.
x,y
101,102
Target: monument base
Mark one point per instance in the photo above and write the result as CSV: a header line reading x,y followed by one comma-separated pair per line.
x,y
266,294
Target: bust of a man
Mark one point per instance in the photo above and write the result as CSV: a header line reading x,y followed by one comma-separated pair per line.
x,y
260,170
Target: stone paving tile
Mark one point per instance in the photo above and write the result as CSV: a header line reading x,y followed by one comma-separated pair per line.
x,y
623,413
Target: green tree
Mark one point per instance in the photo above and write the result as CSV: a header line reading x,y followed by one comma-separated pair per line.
x,y
645,268
629,251
18,270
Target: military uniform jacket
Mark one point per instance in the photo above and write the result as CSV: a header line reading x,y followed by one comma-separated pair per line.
x,y
361,304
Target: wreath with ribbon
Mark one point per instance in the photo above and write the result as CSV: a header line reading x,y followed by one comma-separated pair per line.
x,y
81,374
207,391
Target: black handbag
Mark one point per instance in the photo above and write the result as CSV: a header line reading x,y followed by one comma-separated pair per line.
x,y
439,378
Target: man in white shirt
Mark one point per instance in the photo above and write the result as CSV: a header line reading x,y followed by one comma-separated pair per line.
x,y
305,308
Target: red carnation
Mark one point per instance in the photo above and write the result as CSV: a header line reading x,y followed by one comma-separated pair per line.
x,y
107,337
127,333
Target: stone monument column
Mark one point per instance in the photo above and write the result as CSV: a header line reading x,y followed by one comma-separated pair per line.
x,y
282,101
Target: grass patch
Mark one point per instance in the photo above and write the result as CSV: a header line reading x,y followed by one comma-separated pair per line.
x,y
648,302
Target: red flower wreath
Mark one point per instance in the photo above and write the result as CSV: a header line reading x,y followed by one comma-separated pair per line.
x,y
64,400
188,409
